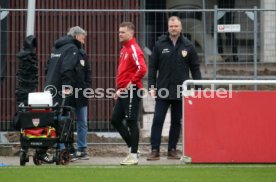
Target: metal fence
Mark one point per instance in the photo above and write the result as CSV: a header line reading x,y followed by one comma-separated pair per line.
x,y
246,54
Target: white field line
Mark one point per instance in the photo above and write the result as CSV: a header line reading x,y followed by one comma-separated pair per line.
x,y
199,166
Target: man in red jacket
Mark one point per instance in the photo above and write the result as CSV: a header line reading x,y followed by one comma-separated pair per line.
x,y
131,70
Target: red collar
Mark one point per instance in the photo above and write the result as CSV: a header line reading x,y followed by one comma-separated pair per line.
x,y
128,43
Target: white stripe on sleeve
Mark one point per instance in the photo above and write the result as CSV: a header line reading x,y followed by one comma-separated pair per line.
x,y
135,57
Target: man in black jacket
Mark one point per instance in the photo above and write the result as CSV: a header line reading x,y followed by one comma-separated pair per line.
x,y
173,58
68,71
84,81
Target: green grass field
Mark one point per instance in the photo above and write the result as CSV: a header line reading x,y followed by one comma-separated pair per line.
x,y
141,173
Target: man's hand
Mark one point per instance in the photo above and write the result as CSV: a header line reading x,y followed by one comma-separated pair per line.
x,y
122,90
67,92
117,94
152,93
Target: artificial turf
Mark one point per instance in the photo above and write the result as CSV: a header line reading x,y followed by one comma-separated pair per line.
x,y
141,173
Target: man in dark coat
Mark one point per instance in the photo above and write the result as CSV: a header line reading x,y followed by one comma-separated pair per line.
x,y
173,58
68,73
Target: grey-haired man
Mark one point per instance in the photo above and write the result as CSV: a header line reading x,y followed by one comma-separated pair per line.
x,y
67,69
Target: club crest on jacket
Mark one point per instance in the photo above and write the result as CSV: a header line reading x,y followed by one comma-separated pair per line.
x,y
184,53
82,62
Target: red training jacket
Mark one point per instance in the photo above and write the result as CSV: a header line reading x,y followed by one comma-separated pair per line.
x,y
132,65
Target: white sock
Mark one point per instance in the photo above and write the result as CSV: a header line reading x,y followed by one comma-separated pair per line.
x,y
134,155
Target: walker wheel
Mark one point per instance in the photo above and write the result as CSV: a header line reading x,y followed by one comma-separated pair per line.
x,y
36,159
22,155
64,157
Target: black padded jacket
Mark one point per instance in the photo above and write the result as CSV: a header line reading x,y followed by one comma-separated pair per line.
x,y
170,65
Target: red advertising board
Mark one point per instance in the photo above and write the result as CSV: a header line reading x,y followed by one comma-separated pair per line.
x,y
240,128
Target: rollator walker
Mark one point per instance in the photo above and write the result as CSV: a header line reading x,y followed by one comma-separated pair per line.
x,y
44,126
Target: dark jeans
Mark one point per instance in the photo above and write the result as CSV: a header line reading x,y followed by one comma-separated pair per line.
x,y
81,113
128,109
161,109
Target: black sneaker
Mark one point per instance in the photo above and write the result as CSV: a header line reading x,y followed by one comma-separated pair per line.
x,y
45,158
79,156
73,154
82,155
73,157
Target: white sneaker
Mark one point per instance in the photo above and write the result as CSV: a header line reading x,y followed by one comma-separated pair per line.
x,y
130,160
138,154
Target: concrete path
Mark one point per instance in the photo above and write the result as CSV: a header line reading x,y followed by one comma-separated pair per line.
x,y
14,161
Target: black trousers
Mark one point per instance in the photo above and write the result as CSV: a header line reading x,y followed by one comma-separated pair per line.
x,y
161,109
127,109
